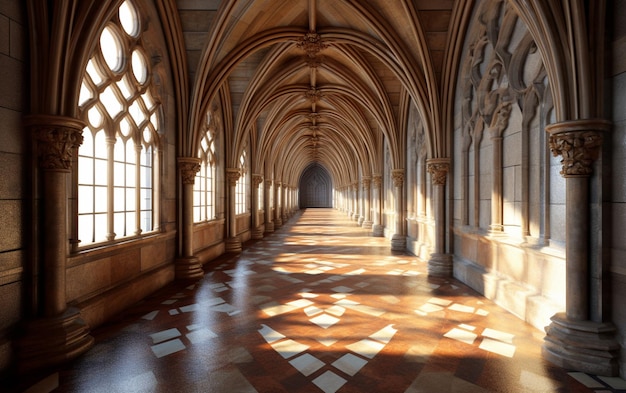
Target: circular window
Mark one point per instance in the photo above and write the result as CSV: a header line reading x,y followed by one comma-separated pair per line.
x,y
111,49
139,67
128,19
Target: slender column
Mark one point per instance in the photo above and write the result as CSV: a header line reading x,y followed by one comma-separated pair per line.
x,y
440,263
355,201
269,221
278,221
57,333
187,265
283,202
398,240
361,200
367,222
573,340
233,243
257,230
377,227
499,122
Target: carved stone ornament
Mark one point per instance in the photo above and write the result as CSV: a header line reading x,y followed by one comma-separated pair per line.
x,y
578,143
313,94
398,177
58,139
268,182
311,43
256,180
438,169
188,167
232,174
377,181
366,181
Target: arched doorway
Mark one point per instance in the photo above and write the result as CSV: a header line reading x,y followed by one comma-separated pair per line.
x,y
315,187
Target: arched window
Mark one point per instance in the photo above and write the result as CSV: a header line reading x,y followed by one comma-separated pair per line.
x,y
116,162
242,185
204,185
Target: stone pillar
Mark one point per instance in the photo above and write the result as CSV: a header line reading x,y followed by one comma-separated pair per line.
x,y
278,221
233,243
367,220
57,333
355,201
361,200
257,230
187,265
269,221
440,263
499,122
398,240
283,202
377,228
573,341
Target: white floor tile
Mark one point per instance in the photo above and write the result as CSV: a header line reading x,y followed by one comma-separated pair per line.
x,y
428,307
270,335
367,348
150,316
461,308
327,341
167,348
498,335
439,301
615,383
170,301
324,320
307,364
461,335
356,272
225,307
164,335
342,289
310,311
385,334
390,299
200,335
329,382
349,364
336,310
498,347
288,348
173,312
300,303
467,327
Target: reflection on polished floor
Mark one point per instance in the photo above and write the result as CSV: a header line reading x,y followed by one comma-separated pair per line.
x,y
319,306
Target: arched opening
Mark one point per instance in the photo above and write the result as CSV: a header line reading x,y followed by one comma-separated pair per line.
x,y
315,187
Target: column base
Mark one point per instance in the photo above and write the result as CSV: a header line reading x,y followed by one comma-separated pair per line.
x,y
52,341
278,223
378,230
269,227
440,265
398,242
233,244
188,268
257,233
585,346
367,224
361,220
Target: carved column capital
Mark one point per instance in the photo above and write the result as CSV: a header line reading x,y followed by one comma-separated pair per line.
x,y
366,181
232,175
188,167
398,177
438,168
578,142
268,182
500,119
58,139
256,180
377,181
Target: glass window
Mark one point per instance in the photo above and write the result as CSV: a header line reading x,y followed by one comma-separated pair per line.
x,y
204,184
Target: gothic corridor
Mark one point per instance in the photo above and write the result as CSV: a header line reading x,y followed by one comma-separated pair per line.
x,y
306,195
319,306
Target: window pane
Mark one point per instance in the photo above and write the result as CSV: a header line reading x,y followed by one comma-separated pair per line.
x,y
85,229
126,88
95,117
100,172
130,175
100,145
146,221
128,19
94,73
146,199
197,217
118,174
139,67
119,198
85,171
111,102
100,227
131,153
85,199
131,225
130,199
111,49
100,199
84,95
136,112
119,151
119,222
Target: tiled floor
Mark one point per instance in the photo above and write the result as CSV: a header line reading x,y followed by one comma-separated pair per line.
x,y
319,306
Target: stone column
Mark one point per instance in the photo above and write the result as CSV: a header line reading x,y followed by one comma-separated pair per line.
x,y
361,200
257,230
499,122
269,221
187,265
233,243
398,240
278,221
367,221
572,340
283,203
377,228
57,333
440,263
355,201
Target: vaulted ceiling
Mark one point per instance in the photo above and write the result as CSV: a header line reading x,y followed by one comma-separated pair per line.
x,y
306,82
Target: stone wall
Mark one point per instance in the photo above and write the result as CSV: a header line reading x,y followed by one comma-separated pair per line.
x,y
14,187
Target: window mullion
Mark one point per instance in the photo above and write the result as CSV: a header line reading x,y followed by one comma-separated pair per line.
x,y
110,188
138,229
